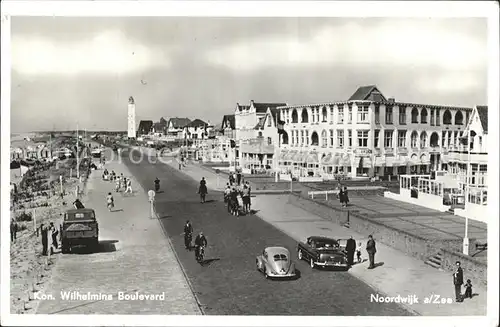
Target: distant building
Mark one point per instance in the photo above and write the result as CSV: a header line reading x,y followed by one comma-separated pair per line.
x,y
247,117
131,132
228,126
145,128
175,127
368,135
197,129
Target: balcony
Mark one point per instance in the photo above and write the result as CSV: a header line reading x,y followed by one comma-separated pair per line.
x,y
389,151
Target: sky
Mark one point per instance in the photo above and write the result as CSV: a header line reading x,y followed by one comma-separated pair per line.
x,y
74,70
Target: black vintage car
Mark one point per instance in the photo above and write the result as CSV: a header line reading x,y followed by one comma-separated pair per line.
x,y
323,252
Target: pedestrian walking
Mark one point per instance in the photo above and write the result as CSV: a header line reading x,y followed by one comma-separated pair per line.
x,y
45,241
246,199
117,185
129,186
202,190
249,196
458,281
13,230
123,185
54,232
346,197
358,252
371,249
238,178
468,289
341,197
350,248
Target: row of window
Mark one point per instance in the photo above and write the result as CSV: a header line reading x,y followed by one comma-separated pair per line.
x,y
301,137
363,116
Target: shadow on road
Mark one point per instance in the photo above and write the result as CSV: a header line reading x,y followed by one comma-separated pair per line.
x,y
208,262
118,210
378,264
103,247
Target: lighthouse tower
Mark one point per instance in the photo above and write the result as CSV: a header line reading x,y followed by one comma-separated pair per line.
x,y
131,118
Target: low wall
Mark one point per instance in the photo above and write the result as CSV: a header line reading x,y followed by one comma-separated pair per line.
x,y
475,270
311,179
401,240
424,200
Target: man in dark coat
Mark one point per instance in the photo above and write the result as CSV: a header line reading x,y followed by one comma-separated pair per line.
x,y
202,190
350,248
458,280
371,249
13,230
45,239
238,178
341,197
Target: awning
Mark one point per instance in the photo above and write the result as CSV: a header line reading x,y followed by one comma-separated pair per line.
x,y
401,161
444,159
414,161
300,157
289,156
312,158
379,161
326,160
390,162
425,160
357,160
367,162
283,155
335,160
345,160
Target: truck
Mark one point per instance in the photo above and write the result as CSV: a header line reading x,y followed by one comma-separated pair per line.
x,y
79,228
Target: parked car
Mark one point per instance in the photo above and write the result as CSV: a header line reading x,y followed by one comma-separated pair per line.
x,y
275,262
323,252
80,228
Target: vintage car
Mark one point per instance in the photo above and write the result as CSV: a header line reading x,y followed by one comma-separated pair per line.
x,y
79,228
275,262
323,252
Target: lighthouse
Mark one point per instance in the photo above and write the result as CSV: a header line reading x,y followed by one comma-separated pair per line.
x,y
131,118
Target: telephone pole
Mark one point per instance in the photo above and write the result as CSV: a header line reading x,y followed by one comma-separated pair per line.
x,y
77,153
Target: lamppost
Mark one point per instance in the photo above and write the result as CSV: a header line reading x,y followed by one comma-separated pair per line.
x,y
467,192
77,153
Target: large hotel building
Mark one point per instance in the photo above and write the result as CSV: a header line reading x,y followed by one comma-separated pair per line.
x,y
368,135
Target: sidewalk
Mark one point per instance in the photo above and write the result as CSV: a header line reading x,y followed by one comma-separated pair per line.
x,y
398,274
134,256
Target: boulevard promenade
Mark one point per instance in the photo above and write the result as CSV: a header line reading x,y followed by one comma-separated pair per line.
x,y
396,273
134,256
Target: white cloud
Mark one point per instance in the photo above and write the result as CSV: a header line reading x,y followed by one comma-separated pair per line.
x,y
395,44
108,52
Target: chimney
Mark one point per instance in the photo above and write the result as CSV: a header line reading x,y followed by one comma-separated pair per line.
x,y
392,100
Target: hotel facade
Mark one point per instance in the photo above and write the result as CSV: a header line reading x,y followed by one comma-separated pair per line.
x,y
368,135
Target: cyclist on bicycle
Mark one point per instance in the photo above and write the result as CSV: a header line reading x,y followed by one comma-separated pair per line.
x,y
199,242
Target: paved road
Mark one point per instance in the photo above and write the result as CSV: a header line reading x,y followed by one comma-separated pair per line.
x,y
229,283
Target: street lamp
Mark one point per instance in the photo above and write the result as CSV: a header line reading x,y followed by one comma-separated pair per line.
x,y
467,187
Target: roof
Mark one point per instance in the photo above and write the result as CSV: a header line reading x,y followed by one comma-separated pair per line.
x,y
275,113
241,107
368,92
197,123
322,239
228,119
272,250
260,124
158,126
482,111
145,126
179,122
79,210
262,107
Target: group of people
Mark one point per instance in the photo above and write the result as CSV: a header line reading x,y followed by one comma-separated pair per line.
x,y
199,242
237,197
352,249
343,196
49,236
458,281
